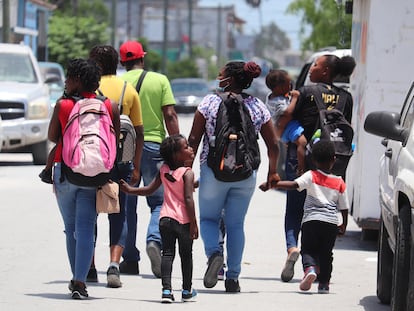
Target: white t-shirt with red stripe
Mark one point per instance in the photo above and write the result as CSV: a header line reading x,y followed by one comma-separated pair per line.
x,y
326,195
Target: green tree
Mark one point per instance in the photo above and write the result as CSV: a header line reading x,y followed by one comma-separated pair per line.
x,y
71,37
185,68
74,31
327,21
271,38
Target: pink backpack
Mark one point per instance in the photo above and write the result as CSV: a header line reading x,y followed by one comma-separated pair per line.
x,y
89,143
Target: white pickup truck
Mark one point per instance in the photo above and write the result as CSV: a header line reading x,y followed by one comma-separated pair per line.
x,y
25,108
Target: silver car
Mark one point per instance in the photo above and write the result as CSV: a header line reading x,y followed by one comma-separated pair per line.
x,y
188,93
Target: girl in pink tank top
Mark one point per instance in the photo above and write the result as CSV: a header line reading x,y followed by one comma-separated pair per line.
x,y
177,216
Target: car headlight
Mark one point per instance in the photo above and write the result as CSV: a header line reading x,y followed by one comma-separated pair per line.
x,y
194,100
38,109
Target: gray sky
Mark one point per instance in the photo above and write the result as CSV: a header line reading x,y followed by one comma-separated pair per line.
x,y
270,10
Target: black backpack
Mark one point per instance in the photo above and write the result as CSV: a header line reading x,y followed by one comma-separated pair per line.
x,y
332,126
234,152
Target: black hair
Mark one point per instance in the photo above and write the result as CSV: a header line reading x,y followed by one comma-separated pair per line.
x,y
243,73
276,77
168,148
343,66
87,71
323,151
106,57
129,64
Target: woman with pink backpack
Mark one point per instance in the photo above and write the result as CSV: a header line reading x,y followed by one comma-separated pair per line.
x,y
77,202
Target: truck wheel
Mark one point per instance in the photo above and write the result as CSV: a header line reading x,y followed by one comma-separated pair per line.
x,y
401,267
384,267
40,152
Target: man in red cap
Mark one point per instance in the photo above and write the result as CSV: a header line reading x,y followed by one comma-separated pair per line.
x,y
159,117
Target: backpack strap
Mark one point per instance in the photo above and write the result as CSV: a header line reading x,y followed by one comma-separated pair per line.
x,y
141,78
121,99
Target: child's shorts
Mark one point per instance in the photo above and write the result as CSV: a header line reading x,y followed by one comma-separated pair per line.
x,y
292,131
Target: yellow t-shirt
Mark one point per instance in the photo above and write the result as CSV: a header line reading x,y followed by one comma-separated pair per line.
x,y
111,86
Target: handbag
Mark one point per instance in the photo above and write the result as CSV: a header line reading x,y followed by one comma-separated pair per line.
x,y
107,199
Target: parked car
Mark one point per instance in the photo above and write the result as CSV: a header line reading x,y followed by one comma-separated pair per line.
x,y
395,271
54,74
188,93
24,102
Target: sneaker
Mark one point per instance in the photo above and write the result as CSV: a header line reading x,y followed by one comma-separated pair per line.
x,y
70,286
232,286
289,269
113,277
215,263
46,176
154,254
220,275
308,279
92,276
129,267
167,296
186,295
323,288
78,290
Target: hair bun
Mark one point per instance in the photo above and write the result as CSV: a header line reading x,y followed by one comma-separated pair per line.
x,y
252,69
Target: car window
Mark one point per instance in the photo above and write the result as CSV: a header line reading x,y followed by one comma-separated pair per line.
x,y
17,68
190,88
407,112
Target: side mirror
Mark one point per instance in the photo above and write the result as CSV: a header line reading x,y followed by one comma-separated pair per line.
x,y
385,124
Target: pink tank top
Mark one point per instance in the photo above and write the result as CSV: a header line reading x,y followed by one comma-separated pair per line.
x,y
174,204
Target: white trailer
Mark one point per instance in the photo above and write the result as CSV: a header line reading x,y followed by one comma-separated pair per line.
x,y
383,45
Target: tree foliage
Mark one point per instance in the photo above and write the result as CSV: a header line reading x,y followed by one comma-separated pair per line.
x,y
271,38
327,21
72,33
185,68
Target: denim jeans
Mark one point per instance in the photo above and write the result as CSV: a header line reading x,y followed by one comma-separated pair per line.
x,y
294,200
150,164
234,198
77,206
117,225
172,231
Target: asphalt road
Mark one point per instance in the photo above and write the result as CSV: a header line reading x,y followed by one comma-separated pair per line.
x,y
35,272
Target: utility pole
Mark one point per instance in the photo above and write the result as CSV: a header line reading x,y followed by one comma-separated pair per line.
x,y
165,41
113,22
219,34
129,19
6,21
190,28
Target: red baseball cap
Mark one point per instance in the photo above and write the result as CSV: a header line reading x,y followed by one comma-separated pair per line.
x,y
130,50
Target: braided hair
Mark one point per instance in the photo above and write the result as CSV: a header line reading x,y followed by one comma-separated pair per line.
x,y
243,73
87,71
169,147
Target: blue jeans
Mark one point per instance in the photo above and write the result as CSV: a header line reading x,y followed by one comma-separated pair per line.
x,y
294,200
77,206
117,225
150,164
234,198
